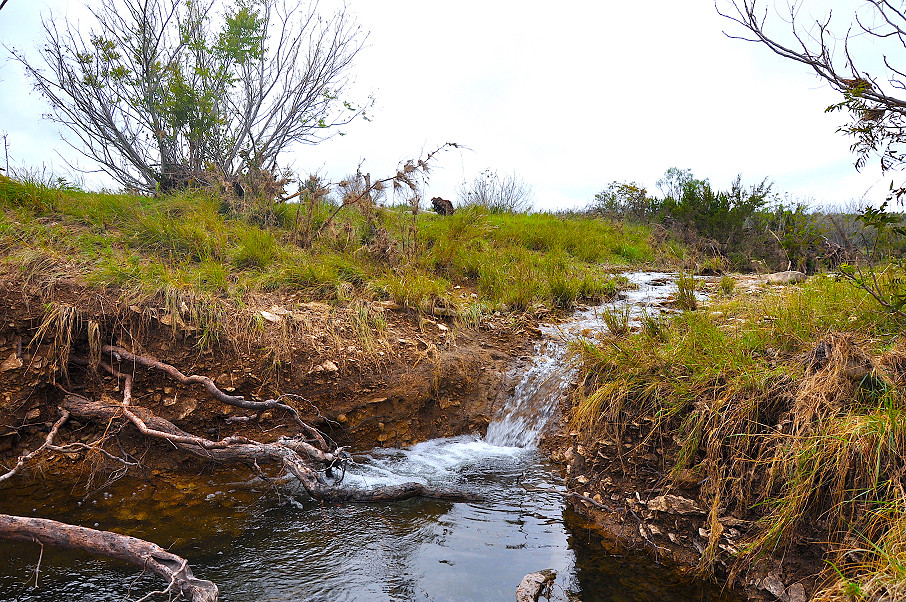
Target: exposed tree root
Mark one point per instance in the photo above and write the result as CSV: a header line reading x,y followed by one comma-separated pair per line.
x,y
234,400
139,552
48,443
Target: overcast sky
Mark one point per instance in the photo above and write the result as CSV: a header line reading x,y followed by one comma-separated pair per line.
x,y
570,96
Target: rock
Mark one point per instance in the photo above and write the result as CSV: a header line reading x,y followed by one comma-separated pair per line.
x,y
674,504
327,366
789,277
270,317
773,584
187,406
534,584
13,362
796,593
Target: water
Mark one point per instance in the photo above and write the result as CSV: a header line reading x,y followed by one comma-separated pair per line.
x,y
260,544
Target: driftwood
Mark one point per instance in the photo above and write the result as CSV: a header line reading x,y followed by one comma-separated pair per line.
x,y
297,457
139,552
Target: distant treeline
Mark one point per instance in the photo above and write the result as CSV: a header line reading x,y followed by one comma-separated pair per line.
x,y
745,224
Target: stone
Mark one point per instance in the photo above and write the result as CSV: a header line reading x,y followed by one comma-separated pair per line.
x,y
773,584
674,504
13,362
327,366
533,584
187,406
270,317
788,277
796,593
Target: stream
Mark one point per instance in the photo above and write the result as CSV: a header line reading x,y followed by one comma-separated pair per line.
x,y
259,543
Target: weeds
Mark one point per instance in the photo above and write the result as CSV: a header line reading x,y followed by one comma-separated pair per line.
x,y
727,285
685,292
616,320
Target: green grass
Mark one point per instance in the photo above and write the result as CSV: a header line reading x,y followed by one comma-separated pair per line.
x,y
188,242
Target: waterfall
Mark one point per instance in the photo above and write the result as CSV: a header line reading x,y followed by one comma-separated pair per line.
x,y
521,421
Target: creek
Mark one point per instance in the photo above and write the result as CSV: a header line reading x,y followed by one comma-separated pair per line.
x,y
258,542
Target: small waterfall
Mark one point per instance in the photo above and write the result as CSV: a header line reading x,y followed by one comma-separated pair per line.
x,y
520,422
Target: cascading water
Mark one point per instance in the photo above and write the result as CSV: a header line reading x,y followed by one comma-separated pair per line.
x,y
535,398
256,549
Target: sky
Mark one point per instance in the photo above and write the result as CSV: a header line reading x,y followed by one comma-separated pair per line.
x,y
567,96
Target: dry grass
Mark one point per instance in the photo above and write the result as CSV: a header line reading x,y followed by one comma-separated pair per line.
x,y
786,417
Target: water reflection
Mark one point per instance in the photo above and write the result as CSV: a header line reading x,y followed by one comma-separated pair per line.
x,y
605,573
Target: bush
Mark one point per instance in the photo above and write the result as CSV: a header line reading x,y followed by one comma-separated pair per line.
x,y
496,193
626,200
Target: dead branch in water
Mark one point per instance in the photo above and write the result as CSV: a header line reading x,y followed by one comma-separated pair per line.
x,y
299,459
147,555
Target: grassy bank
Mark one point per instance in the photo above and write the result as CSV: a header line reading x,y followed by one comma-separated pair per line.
x,y
191,250
786,408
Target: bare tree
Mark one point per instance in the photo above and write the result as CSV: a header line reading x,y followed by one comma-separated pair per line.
x,y
160,91
877,104
505,194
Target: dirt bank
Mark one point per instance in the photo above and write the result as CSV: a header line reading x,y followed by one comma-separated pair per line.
x,y
366,375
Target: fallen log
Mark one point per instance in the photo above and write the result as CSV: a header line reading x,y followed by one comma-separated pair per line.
x,y
239,450
144,554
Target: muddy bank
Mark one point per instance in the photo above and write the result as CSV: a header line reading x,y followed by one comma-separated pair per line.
x,y
368,375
